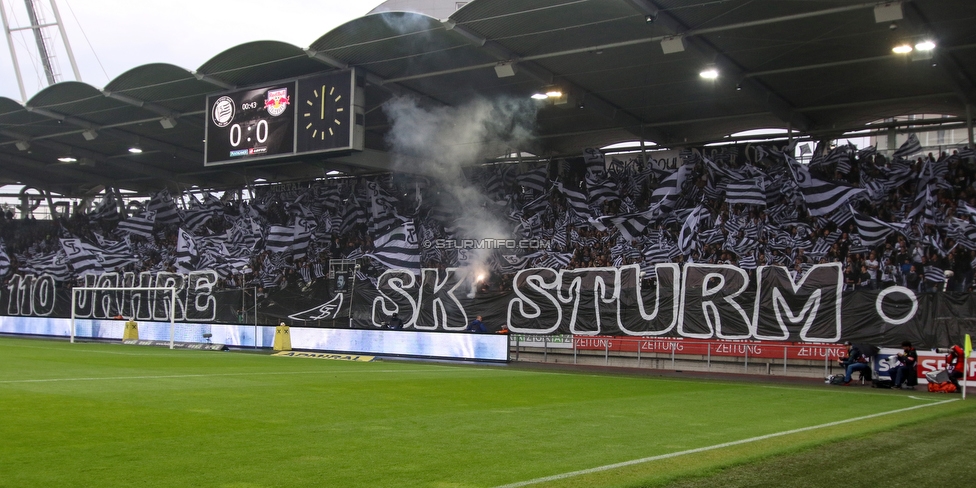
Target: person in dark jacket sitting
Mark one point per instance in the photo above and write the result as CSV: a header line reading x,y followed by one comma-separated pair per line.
x,y
856,360
905,372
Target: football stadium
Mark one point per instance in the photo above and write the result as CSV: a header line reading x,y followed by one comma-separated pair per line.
x,y
498,243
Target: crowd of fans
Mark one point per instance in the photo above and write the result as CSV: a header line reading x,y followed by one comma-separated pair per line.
x,y
634,220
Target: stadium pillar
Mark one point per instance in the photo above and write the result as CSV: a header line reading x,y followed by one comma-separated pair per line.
x,y
172,318
72,315
969,124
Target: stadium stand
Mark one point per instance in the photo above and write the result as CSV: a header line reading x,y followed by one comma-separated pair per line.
x,y
904,220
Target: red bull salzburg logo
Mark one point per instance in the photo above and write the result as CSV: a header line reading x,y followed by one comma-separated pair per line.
x,y
277,101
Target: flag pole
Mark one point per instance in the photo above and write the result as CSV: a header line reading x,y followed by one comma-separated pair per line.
x,y
965,363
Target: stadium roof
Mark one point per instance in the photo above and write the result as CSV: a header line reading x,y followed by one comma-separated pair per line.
x,y
819,67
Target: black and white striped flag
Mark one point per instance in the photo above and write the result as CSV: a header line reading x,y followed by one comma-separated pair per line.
x,y
576,201
821,197
536,179
80,257
873,231
686,238
166,210
53,264
398,249
601,190
748,192
107,209
664,197
186,252
352,215
555,260
909,148
934,274
4,260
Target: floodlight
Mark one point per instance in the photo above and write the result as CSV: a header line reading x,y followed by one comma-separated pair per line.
x,y
135,150
925,45
709,74
902,49
67,159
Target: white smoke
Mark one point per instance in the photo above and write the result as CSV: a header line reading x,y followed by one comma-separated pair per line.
x,y
439,142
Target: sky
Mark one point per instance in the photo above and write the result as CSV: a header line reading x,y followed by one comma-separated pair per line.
x,y
110,37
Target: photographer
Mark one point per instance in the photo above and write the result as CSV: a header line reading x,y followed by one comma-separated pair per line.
x,y
956,365
905,372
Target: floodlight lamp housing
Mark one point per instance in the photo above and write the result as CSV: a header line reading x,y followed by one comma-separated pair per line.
x,y
505,69
671,45
888,12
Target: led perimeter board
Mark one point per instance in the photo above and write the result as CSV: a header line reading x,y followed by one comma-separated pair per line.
x,y
317,114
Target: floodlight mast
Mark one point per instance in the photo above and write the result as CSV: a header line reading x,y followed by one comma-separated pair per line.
x,y
44,51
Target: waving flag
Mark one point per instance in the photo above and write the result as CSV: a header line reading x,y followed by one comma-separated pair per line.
x,y
186,252
664,197
748,192
107,210
686,238
398,249
576,201
166,210
4,260
80,257
909,148
873,231
821,197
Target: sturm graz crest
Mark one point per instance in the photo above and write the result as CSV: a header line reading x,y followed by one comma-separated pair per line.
x,y
223,111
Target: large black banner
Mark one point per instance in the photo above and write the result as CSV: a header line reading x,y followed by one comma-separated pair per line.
x,y
694,301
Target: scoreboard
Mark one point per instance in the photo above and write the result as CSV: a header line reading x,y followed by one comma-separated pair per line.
x,y
317,114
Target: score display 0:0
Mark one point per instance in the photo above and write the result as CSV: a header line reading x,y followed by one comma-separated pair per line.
x,y
236,132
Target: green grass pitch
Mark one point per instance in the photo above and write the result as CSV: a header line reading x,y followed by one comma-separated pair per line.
x,y
112,415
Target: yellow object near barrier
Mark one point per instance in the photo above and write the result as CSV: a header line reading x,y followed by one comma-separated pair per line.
x,y
282,339
131,331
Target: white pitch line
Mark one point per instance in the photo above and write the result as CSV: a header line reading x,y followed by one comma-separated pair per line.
x,y
812,388
723,445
